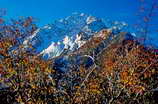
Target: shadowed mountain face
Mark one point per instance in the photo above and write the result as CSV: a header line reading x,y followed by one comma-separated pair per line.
x,y
87,54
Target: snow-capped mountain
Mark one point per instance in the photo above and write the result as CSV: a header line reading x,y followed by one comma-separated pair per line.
x,y
66,35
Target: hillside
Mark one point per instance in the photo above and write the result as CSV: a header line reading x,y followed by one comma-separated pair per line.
x,y
124,72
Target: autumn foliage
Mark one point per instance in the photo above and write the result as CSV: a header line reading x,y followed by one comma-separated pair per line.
x,y
125,72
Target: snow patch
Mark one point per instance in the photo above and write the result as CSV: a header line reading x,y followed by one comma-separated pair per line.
x,y
90,19
52,51
78,41
82,14
133,34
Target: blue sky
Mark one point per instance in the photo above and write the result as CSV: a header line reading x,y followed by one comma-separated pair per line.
x,y
48,10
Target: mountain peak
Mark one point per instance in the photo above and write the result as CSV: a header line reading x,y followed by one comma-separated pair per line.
x,y
69,33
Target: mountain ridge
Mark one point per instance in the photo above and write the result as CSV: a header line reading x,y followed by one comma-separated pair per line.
x,y
69,33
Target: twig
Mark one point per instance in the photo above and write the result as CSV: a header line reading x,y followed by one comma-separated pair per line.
x,y
87,76
147,68
112,99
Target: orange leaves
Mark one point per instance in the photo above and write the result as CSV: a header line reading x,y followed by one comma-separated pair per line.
x,y
94,87
109,63
109,67
23,71
138,89
27,22
19,99
127,69
118,67
127,79
1,21
4,46
33,86
124,75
